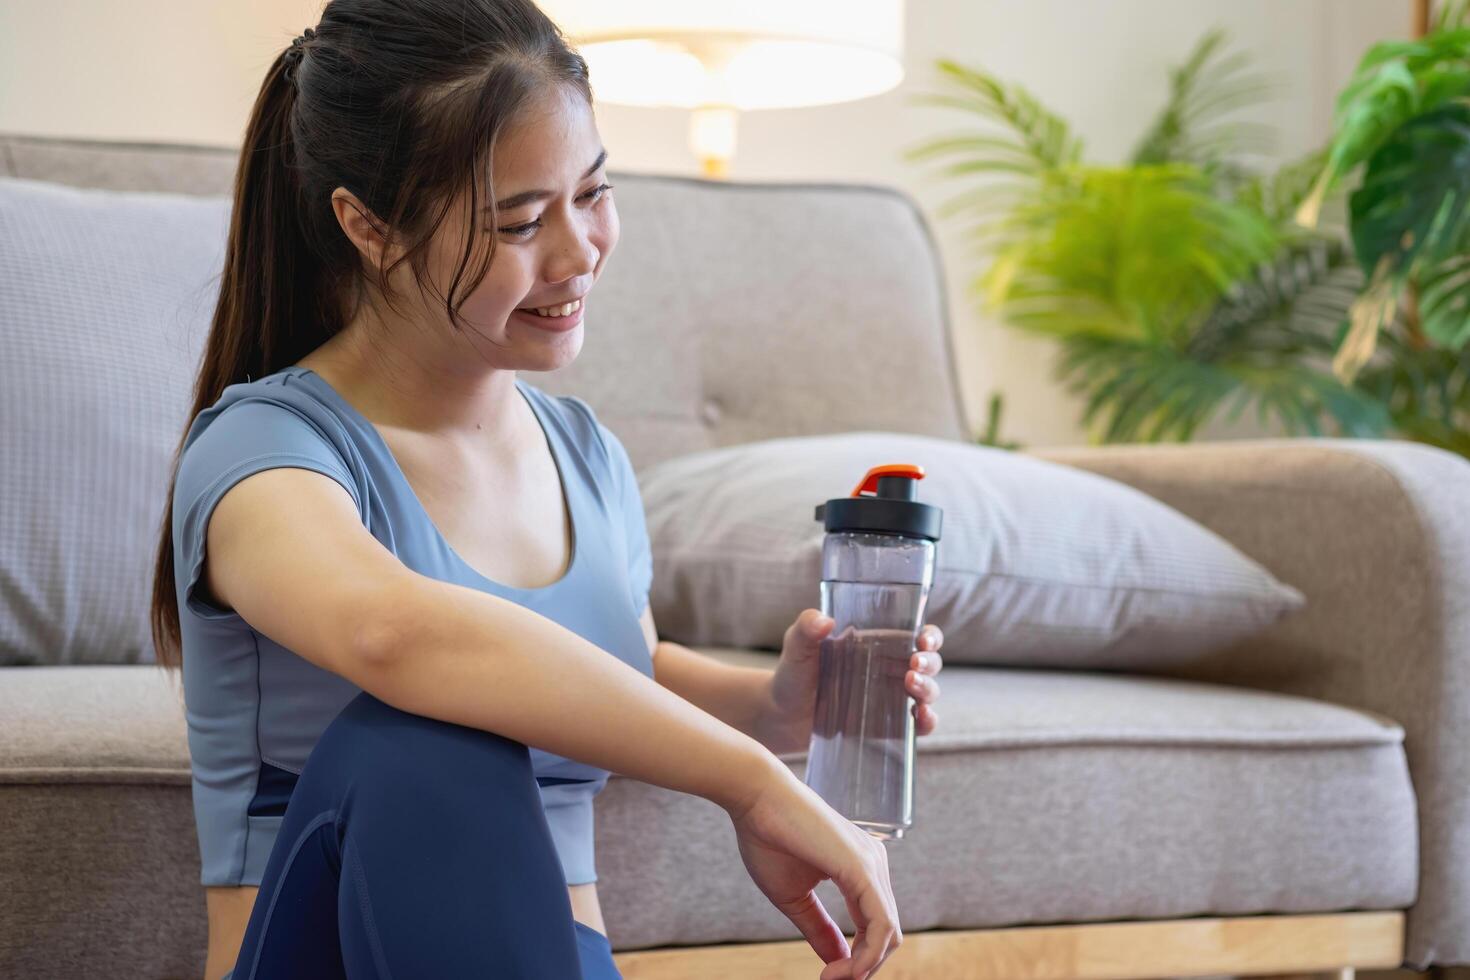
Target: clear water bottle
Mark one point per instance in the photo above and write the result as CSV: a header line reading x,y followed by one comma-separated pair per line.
x,y
877,566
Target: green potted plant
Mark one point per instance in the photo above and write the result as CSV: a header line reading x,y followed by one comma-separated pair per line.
x,y
1179,284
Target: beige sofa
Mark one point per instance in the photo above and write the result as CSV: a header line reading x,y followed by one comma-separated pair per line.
x,y
1300,803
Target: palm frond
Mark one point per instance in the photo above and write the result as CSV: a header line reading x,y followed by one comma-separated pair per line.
x,y
1033,138
1146,247
1193,126
1278,195
1141,392
1426,390
1294,304
1452,15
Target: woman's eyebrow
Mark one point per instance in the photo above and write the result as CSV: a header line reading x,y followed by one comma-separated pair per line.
x,y
526,197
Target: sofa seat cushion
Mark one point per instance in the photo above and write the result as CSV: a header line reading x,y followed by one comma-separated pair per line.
x,y
99,863
1055,797
1045,796
94,723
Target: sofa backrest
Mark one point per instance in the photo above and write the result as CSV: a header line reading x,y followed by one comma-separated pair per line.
x,y
731,311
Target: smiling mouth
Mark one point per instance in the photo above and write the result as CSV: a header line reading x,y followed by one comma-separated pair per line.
x,y
553,312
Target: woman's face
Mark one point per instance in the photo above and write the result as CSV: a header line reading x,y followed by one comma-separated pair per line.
x,y
549,250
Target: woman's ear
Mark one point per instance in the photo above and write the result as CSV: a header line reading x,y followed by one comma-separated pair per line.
x,y
362,228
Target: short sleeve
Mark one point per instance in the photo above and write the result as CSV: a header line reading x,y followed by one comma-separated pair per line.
x,y
243,439
635,526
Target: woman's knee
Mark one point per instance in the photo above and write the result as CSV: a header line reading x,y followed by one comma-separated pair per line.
x,y
380,743
460,795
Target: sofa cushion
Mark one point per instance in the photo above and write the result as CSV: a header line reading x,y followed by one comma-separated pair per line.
x,y
1038,564
1044,797
99,862
1051,796
105,300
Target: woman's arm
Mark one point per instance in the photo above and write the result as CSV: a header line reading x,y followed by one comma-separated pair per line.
x,y
738,696
776,707
471,658
288,551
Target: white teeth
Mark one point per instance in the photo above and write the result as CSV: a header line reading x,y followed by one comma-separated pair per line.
x,y
564,310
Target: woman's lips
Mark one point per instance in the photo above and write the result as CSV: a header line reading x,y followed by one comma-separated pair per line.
x,y
556,324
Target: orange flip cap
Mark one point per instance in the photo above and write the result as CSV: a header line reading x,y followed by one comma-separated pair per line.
x,y
869,483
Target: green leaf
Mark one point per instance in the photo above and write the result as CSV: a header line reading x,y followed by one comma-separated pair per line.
x,y
1284,191
1207,87
1141,392
1368,112
1443,83
1415,196
960,143
1444,301
1427,390
1452,14
1042,137
1292,306
1394,81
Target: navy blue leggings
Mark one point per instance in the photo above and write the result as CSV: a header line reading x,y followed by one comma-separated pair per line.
x,y
412,847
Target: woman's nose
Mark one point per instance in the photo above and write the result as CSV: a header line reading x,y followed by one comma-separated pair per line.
x,y
576,251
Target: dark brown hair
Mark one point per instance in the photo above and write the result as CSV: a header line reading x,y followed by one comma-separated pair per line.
x,y
400,102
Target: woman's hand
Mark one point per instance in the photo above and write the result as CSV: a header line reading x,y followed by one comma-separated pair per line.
x,y
790,841
793,693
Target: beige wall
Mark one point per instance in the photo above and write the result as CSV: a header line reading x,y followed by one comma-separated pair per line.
x,y
187,70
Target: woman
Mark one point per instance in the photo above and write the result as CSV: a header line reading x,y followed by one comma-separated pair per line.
x,y
389,567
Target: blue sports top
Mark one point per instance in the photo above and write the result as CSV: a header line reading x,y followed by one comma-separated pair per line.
x,y
255,709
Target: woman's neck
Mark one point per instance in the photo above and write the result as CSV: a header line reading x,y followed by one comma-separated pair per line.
x,y
441,393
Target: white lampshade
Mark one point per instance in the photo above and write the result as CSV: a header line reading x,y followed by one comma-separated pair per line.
x,y
759,54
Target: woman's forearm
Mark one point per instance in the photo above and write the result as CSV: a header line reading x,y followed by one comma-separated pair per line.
x,y
735,695
738,696
468,657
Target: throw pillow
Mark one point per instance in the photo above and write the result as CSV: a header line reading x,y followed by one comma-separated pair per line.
x,y
105,302
1038,564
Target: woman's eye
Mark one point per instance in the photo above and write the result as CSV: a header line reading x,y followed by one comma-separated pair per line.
x,y
521,231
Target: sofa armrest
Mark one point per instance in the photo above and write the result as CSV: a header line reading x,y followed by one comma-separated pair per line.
x,y
1376,535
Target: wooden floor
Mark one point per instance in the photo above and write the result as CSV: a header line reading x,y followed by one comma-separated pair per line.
x,y
1296,946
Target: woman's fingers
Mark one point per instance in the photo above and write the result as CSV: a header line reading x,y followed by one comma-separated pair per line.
x,y
887,880
874,914
927,661
817,926
878,936
924,688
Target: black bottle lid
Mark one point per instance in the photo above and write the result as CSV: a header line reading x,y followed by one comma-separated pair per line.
x,y
891,508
